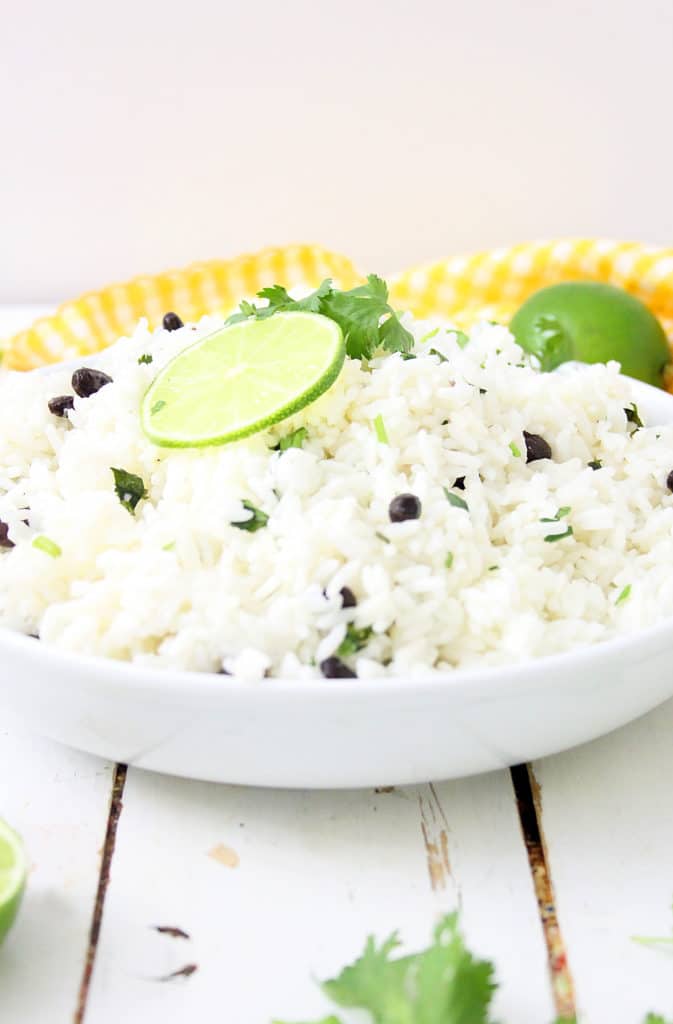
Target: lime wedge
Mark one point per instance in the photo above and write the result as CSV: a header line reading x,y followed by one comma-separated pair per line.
x,y
12,876
243,378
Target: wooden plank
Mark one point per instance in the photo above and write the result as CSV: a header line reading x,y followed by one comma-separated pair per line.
x,y
277,888
58,800
607,817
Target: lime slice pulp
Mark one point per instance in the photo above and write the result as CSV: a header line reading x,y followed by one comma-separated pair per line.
x,y
12,876
243,378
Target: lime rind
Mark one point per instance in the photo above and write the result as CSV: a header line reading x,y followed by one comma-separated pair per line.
x,y
12,877
264,371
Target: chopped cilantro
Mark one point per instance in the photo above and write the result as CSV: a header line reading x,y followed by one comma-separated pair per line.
x,y
456,500
407,355
354,640
515,450
435,352
625,594
633,416
595,464
492,568
129,488
561,514
257,521
157,407
448,561
366,318
431,334
461,339
551,537
380,428
168,547
382,536
293,440
48,546
144,358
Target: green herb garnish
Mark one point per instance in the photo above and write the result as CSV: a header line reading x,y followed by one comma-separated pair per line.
x,y
455,500
435,352
561,514
625,594
359,312
492,568
48,546
633,416
431,334
145,358
293,440
130,489
448,561
443,984
257,521
461,338
157,407
380,428
354,640
551,537
382,536
515,450
595,464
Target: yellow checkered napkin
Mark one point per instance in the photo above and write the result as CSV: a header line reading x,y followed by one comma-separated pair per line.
x,y
464,288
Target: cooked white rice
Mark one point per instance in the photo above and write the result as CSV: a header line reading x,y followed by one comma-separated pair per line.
x,y
176,584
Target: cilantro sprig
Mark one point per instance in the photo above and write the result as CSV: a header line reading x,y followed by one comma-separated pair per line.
x,y
364,314
444,982
129,488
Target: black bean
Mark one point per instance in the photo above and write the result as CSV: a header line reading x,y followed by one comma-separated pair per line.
x,y
5,542
404,506
61,405
669,481
86,382
459,483
334,668
536,447
172,322
348,599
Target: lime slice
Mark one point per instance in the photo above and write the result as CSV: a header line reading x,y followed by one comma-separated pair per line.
x,y
243,378
12,876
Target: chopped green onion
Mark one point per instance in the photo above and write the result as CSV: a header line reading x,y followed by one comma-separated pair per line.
x,y
380,428
515,450
50,547
624,596
456,501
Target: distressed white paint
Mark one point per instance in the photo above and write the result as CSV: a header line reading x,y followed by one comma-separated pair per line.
x,y
317,872
58,800
608,821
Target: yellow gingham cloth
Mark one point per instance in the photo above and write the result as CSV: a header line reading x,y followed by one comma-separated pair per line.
x,y
490,284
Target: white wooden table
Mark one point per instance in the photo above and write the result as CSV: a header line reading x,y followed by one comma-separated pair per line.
x,y
276,888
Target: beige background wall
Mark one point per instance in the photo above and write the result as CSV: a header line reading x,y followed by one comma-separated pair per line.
x,y
140,135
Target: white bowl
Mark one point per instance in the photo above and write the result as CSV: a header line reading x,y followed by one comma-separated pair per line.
x,y
340,733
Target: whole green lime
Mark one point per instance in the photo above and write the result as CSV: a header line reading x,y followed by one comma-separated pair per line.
x,y
593,323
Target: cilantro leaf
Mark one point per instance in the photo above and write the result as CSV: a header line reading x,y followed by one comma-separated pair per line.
x,y
367,320
295,439
633,416
354,640
444,984
257,521
129,488
551,537
455,500
549,342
